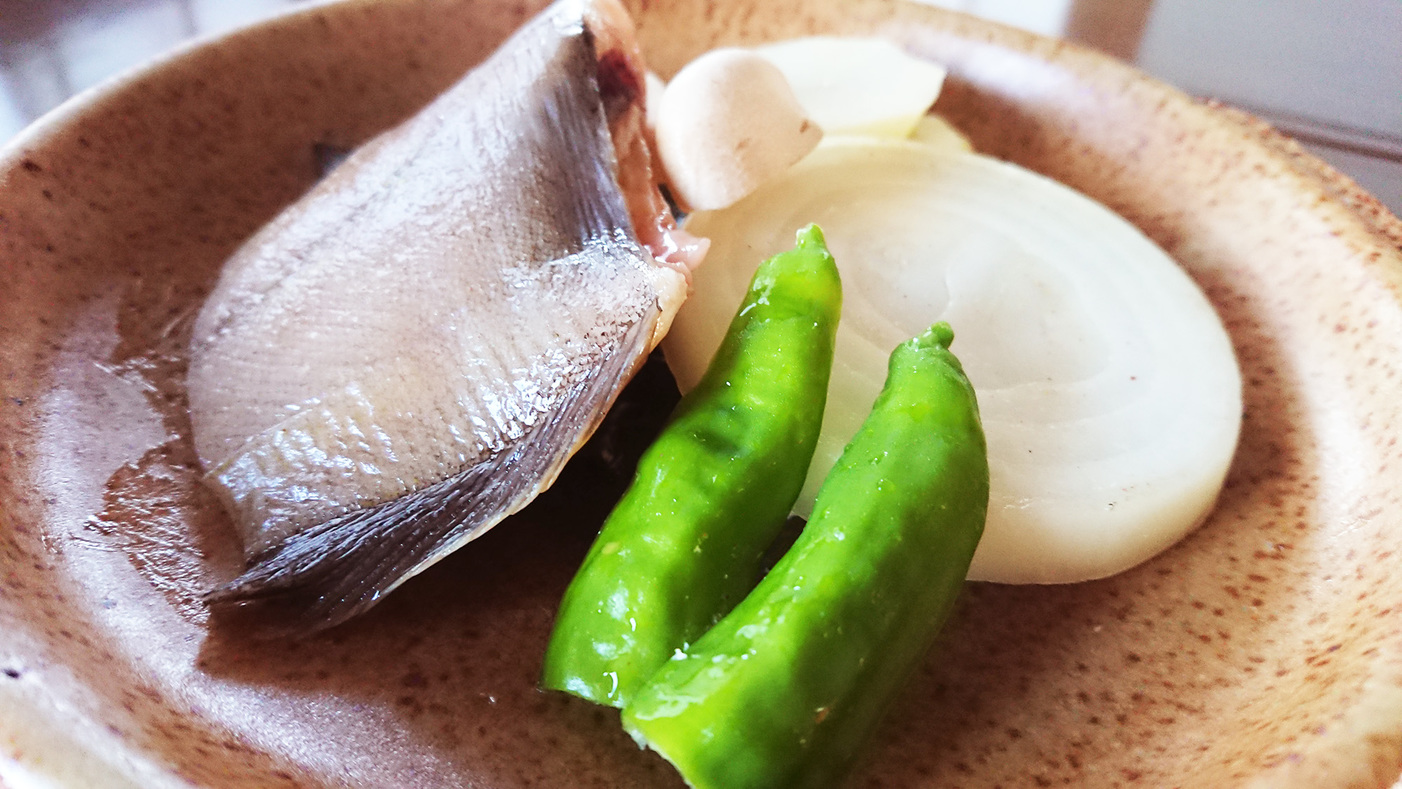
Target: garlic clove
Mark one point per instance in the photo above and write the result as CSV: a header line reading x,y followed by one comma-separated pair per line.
x,y
726,123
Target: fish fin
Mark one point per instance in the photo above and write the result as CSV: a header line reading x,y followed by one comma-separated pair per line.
x,y
573,121
330,572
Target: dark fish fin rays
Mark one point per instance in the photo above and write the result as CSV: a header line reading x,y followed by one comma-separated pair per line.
x,y
572,123
327,574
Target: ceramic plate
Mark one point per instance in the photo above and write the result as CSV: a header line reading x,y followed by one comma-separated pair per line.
x,y
1265,648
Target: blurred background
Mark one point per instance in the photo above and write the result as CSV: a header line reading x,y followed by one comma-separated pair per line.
x,y
1327,72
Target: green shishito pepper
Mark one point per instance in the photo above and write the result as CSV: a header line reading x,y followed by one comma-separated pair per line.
x,y
784,689
685,542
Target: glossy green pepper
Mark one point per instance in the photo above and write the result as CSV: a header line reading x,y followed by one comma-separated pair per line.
x,y
685,542
783,691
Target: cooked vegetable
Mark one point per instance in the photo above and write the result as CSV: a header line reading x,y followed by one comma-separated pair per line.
x,y
727,123
684,544
855,85
783,691
937,132
1108,387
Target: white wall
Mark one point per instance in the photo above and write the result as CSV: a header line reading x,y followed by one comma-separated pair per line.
x,y
1334,60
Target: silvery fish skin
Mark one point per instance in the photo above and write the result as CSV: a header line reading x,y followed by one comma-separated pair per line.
x,y
412,351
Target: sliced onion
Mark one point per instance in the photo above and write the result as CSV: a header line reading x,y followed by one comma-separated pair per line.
x,y
857,85
1108,387
936,131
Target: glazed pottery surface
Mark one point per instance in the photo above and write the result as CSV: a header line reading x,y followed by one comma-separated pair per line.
x,y
1264,650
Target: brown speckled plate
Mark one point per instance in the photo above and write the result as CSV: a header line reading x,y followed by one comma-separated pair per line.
x,y
1265,650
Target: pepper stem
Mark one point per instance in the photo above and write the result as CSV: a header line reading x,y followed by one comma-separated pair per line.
x,y
811,237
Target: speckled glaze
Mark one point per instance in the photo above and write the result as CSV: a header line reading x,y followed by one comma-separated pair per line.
x,y
1265,650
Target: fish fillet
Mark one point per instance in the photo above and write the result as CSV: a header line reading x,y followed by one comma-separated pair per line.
x,y
412,351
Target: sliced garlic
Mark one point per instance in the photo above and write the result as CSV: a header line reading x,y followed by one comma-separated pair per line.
x,y
727,123
857,85
1108,387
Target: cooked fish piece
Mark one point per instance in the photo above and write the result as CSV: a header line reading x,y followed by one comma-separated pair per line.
x,y
411,352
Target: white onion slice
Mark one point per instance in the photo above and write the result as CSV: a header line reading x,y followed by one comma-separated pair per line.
x,y
935,130
1108,387
857,85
